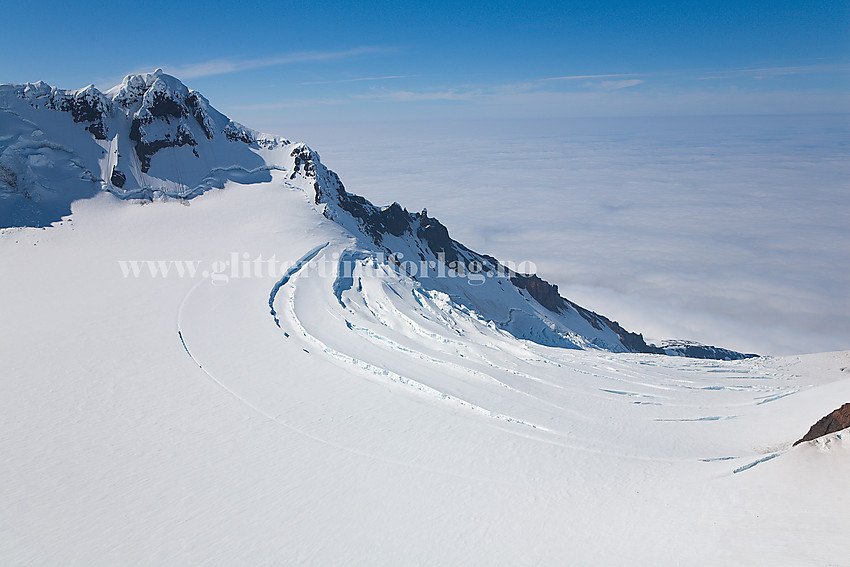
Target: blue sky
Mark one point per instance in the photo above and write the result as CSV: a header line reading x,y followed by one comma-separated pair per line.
x,y
269,63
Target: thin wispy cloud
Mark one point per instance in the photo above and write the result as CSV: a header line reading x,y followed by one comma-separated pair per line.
x,y
224,66
499,93
358,79
415,96
292,104
767,72
602,93
616,85
581,77
595,82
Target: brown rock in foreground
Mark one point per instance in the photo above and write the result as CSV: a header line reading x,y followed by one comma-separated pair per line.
x,y
835,421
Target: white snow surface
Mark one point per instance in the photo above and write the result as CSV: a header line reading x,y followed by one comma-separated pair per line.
x,y
172,421
323,418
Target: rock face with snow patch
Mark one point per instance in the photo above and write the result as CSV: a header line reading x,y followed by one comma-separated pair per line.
x,y
830,423
87,106
151,137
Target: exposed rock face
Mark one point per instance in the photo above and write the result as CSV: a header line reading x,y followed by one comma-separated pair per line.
x,y
237,135
545,293
196,103
835,421
118,179
147,146
160,120
305,160
633,341
436,236
86,105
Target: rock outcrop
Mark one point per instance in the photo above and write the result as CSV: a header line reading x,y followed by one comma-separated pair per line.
x,y
830,423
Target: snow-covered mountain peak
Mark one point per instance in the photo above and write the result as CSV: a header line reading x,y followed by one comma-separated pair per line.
x,y
134,87
152,136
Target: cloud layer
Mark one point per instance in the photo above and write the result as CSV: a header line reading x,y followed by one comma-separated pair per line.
x,y
726,231
224,66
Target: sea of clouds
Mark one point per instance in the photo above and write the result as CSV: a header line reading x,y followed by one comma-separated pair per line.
x,y
732,231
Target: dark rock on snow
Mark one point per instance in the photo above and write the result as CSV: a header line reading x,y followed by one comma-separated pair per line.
x,y
835,421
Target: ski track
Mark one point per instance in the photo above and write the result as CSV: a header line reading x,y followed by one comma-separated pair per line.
x,y
276,419
476,320
384,373
294,269
338,288
395,377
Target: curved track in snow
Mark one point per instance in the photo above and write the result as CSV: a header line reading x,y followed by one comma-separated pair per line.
x,y
390,328
276,418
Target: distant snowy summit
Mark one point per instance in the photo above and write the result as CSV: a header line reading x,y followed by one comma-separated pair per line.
x,y
151,137
148,136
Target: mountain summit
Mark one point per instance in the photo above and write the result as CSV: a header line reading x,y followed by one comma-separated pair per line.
x,y
151,137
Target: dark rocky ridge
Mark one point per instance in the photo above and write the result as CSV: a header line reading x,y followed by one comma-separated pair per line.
x,y
86,105
193,104
545,293
394,220
164,105
830,423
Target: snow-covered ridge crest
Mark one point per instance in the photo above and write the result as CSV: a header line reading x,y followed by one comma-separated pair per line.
x,y
152,136
135,87
524,305
86,105
149,136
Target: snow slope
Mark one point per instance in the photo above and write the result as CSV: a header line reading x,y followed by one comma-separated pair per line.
x,y
407,442
335,410
152,137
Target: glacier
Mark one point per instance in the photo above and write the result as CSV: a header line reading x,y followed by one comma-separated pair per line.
x,y
345,411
